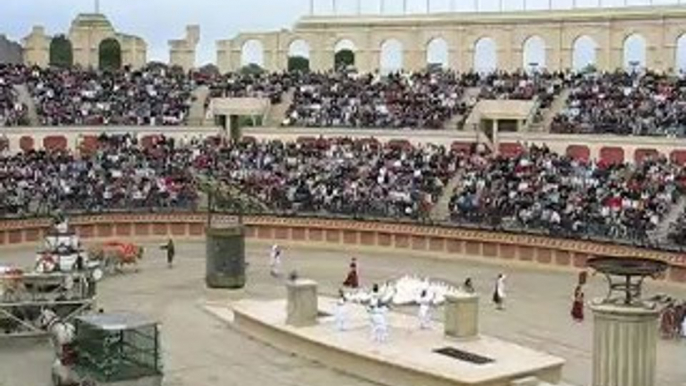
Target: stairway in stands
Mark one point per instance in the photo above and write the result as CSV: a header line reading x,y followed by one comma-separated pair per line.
x,y
454,123
441,210
277,113
559,103
661,233
196,115
25,98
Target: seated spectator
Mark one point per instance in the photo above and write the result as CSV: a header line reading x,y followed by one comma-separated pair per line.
x,y
624,104
153,96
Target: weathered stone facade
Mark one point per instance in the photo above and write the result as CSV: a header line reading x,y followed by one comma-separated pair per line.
x,y
659,26
86,34
10,51
182,51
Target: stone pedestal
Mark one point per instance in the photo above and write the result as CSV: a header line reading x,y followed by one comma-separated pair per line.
x,y
225,257
302,303
624,345
462,315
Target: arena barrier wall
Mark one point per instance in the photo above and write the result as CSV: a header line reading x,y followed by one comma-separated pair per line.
x,y
443,242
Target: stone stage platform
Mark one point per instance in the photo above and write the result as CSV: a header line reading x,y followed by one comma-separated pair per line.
x,y
407,359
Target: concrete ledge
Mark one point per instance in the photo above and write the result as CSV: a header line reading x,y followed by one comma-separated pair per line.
x,y
406,360
443,242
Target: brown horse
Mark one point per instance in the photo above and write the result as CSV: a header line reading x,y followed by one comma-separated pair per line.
x,y
115,255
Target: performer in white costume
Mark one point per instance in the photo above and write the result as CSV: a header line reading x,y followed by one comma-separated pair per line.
x,y
377,314
499,292
341,311
275,261
425,300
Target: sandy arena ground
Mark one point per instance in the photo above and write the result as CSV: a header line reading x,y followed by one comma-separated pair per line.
x,y
199,350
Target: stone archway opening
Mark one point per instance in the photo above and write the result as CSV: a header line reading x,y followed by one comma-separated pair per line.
x,y
109,54
485,55
533,54
391,57
344,54
437,54
61,52
252,55
634,50
299,56
584,54
680,59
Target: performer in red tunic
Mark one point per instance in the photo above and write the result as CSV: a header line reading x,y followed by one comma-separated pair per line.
x,y
578,304
352,280
668,322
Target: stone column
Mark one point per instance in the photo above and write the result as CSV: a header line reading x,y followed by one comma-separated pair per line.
x,y
302,307
462,315
624,345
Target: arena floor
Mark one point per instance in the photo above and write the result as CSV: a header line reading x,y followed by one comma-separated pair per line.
x,y
200,350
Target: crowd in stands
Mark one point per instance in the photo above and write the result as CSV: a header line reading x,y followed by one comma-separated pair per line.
x,y
519,85
120,176
541,190
537,190
397,100
12,112
252,85
156,95
342,176
624,103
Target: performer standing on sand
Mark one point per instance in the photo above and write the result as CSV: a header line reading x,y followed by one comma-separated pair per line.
x,y
425,301
352,280
499,292
578,304
377,315
341,311
275,261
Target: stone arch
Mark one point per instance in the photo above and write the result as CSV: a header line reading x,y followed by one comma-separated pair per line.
x,y
252,53
61,52
634,51
109,54
344,53
485,55
680,54
437,53
299,55
533,53
584,53
391,56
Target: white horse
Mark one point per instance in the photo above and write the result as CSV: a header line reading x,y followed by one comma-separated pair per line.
x,y
62,335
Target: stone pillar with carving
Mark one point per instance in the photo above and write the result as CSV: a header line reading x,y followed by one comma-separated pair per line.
x,y
302,305
462,315
624,345
625,326
182,52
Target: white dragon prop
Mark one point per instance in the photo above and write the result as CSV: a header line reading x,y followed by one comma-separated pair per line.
x,y
404,291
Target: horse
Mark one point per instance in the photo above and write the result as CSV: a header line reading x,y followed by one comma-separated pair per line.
x,y
114,255
62,335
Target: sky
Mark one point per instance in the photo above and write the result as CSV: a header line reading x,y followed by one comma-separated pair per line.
x,y
158,21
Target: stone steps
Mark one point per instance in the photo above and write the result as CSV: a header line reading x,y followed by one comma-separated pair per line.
x,y
441,210
661,233
197,113
277,113
550,113
25,98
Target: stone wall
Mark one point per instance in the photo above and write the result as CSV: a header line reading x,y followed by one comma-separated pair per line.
x,y
10,51
660,26
450,243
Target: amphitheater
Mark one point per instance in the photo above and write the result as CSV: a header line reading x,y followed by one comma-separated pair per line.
x,y
542,269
